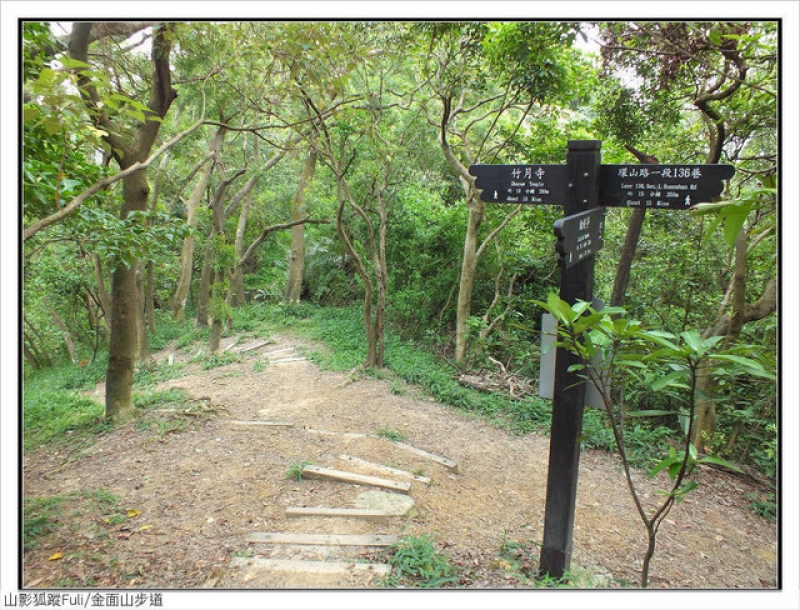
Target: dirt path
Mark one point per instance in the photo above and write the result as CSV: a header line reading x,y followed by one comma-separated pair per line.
x,y
202,492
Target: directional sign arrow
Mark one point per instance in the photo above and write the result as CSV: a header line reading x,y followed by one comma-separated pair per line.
x,y
579,236
670,187
532,184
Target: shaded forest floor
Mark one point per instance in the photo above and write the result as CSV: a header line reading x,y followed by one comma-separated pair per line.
x,y
169,501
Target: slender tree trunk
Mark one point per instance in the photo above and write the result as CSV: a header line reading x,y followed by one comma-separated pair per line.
x,y
73,355
29,356
187,252
297,258
150,296
203,291
215,334
143,340
706,422
102,293
236,292
40,350
626,258
469,264
631,241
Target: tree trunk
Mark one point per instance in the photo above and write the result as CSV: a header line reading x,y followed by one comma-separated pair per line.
x,y
631,241
236,293
215,333
187,252
204,290
102,293
729,325
125,311
626,258
150,296
73,355
135,191
469,263
40,351
294,285
142,340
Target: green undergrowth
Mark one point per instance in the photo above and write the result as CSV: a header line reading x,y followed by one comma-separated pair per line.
x,y
56,409
416,562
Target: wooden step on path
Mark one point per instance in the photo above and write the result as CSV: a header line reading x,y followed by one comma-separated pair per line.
x,y
380,516
320,567
331,433
387,470
317,472
260,422
447,463
283,361
322,539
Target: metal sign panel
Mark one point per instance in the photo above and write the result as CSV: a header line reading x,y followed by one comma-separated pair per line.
x,y
579,236
531,184
547,366
670,187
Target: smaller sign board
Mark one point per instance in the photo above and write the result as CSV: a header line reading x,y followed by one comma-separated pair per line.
x,y
579,236
532,184
670,187
547,365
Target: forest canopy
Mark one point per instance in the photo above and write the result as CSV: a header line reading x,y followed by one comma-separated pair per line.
x,y
187,171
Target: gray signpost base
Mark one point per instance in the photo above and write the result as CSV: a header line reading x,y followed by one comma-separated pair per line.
x,y
583,168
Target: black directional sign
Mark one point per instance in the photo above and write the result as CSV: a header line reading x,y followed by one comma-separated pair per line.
x,y
666,187
533,184
579,236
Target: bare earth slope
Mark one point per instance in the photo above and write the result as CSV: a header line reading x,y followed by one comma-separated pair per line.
x,y
202,491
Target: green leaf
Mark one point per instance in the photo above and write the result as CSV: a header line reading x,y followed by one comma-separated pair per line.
x,y
710,459
650,413
51,125
30,112
734,221
753,367
669,380
693,340
71,63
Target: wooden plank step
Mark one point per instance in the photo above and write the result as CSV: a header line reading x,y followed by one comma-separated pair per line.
x,y
319,567
330,433
259,422
250,348
317,472
354,513
279,350
449,464
287,361
388,470
322,539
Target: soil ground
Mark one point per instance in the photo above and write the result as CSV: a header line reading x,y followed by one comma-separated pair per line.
x,y
193,486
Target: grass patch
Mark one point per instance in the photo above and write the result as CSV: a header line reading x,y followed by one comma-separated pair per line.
x,y
416,563
39,517
392,435
45,515
763,506
161,398
212,361
58,417
295,470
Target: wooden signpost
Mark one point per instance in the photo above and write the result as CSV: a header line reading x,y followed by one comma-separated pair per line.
x,y
583,186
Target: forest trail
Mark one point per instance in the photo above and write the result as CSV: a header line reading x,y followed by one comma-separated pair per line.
x,y
214,506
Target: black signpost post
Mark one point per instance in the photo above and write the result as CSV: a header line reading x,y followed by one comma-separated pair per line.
x,y
582,186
